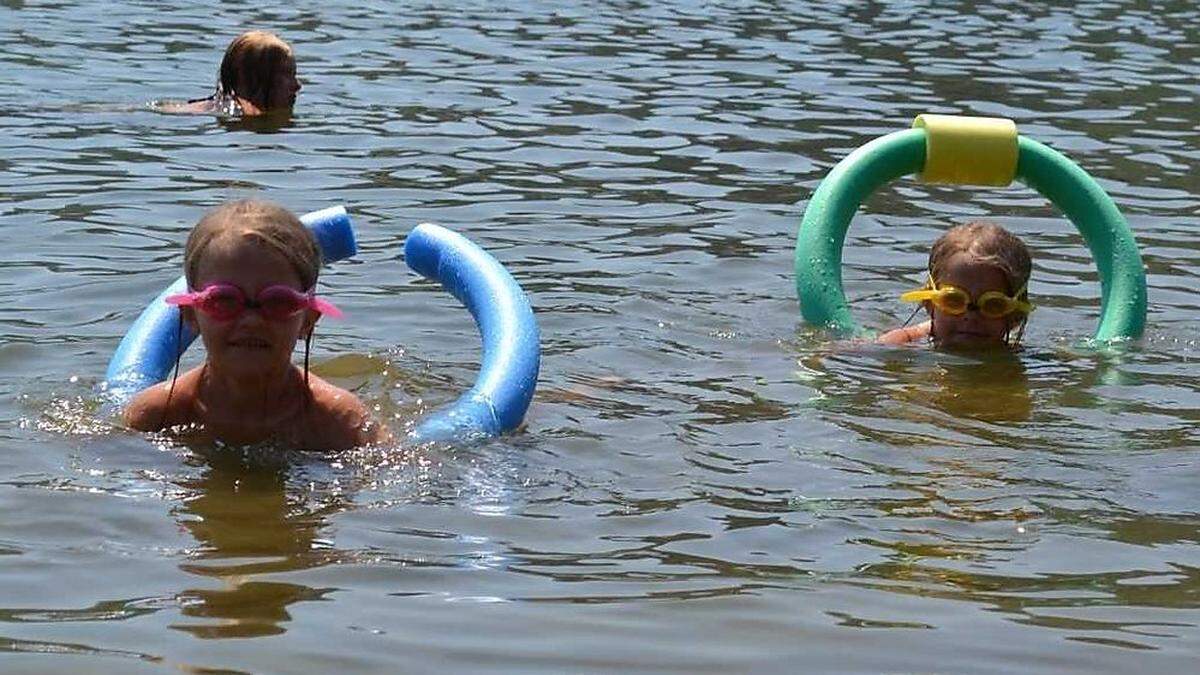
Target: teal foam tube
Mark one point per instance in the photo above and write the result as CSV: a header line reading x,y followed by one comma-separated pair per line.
x,y
1104,230
150,347
822,233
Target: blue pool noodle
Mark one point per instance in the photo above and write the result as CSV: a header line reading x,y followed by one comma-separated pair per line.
x,y
511,348
148,351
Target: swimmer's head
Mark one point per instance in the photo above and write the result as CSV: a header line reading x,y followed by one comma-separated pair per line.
x,y
260,69
979,257
257,223
251,246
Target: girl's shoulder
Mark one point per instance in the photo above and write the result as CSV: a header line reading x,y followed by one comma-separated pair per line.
x,y
341,418
217,104
163,405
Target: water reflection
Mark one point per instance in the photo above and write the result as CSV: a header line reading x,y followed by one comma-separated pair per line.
x,y
907,396
989,386
248,524
268,123
1078,602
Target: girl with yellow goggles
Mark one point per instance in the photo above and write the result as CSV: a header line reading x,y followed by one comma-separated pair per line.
x,y
968,265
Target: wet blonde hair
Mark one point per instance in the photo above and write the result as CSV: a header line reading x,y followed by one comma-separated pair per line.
x,y
250,63
989,244
263,223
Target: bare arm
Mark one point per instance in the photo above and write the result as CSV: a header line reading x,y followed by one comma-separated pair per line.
x,y
160,406
145,412
905,335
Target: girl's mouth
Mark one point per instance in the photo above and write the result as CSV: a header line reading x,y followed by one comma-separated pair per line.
x,y
976,339
250,343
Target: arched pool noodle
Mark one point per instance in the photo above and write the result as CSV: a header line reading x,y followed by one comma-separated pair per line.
x,y
511,349
822,234
148,351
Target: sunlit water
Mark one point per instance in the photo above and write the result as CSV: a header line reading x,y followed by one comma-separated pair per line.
x,y
704,484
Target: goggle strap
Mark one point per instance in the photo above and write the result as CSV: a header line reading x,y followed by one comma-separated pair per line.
x,y
181,299
919,295
324,307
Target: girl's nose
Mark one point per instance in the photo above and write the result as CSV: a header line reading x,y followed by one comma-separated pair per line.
x,y
973,316
251,316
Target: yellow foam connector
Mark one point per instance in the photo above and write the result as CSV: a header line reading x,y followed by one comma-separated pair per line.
x,y
968,150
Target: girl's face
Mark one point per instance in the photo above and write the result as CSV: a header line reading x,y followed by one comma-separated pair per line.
x,y
284,86
249,344
971,328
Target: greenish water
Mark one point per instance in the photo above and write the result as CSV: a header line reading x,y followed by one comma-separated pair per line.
x,y
704,484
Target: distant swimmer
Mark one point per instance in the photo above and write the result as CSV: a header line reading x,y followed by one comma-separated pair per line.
x,y
258,77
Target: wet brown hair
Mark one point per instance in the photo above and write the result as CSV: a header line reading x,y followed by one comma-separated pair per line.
x,y
262,222
989,244
250,63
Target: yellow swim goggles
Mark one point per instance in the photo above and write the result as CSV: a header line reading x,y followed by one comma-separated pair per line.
x,y
956,301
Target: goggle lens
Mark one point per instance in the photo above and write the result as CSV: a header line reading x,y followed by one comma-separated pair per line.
x,y
954,301
995,305
279,302
223,303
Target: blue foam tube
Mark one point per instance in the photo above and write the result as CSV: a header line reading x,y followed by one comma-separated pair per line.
x,y
148,351
511,348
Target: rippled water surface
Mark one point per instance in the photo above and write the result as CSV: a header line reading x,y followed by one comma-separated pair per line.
x,y
704,483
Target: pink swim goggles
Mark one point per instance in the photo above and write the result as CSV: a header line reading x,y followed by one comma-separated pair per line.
x,y
226,302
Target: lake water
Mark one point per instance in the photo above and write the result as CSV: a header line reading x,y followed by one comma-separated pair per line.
x,y
704,484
